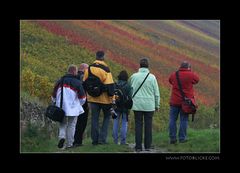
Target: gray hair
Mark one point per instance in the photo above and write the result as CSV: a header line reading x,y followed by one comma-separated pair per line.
x,y
83,67
72,69
185,64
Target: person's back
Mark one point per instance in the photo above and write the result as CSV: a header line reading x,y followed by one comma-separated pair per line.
x,y
126,89
145,99
188,79
145,102
102,102
82,119
73,95
123,92
101,70
73,99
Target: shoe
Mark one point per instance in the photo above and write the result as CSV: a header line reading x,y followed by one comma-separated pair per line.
x,y
61,143
173,141
147,149
183,141
124,144
69,147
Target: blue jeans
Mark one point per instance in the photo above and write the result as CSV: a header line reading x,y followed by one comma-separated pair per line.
x,y
182,134
95,135
123,128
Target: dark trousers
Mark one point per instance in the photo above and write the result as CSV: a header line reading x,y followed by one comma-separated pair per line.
x,y
147,117
81,125
95,109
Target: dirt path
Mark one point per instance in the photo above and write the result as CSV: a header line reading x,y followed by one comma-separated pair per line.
x,y
154,150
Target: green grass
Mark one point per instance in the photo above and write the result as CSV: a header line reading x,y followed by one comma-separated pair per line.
x,y
206,140
203,141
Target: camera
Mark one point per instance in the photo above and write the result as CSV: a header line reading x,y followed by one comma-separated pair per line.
x,y
113,113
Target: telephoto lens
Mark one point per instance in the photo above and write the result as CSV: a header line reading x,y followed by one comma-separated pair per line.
x,y
113,113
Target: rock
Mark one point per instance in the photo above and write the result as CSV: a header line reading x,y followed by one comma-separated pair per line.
x,y
33,113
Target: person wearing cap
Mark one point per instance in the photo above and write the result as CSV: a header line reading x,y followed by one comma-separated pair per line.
x,y
188,79
145,102
103,102
82,119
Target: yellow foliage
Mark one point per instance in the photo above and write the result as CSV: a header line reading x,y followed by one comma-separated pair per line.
x,y
36,85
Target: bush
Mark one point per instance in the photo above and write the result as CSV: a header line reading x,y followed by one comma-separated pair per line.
x,y
36,85
206,117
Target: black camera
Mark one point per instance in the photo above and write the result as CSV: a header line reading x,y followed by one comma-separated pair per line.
x,y
113,113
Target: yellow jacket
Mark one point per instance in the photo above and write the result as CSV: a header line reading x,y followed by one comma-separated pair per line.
x,y
105,76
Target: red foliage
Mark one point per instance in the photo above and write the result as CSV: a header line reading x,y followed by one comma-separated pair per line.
x,y
72,36
76,38
172,57
175,57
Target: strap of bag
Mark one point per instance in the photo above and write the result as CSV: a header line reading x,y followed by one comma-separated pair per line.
x,y
180,85
122,85
123,90
89,71
140,85
61,101
182,93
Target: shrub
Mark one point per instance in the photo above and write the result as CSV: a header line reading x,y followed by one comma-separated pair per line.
x,y
36,85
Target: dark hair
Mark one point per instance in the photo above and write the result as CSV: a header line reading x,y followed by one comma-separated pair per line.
x,y
144,62
100,55
123,75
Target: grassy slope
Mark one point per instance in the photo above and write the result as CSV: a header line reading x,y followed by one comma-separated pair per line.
x,y
193,45
47,55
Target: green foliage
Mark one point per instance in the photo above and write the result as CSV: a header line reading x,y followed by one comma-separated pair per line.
x,y
38,139
206,117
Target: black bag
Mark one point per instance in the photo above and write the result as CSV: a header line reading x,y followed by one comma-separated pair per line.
x,y
93,84
129,103
56,113
122,100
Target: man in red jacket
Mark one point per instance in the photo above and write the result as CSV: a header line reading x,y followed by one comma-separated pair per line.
x,y
188,79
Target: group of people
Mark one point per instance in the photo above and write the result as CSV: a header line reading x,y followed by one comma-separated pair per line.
x,y
142,87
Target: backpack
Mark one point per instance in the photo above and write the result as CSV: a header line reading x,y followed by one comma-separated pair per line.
x,y
93,84
122,100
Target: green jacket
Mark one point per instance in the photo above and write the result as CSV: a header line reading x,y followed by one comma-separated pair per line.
x,y
148,96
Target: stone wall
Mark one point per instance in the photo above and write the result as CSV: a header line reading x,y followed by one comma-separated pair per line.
x,y
33,113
